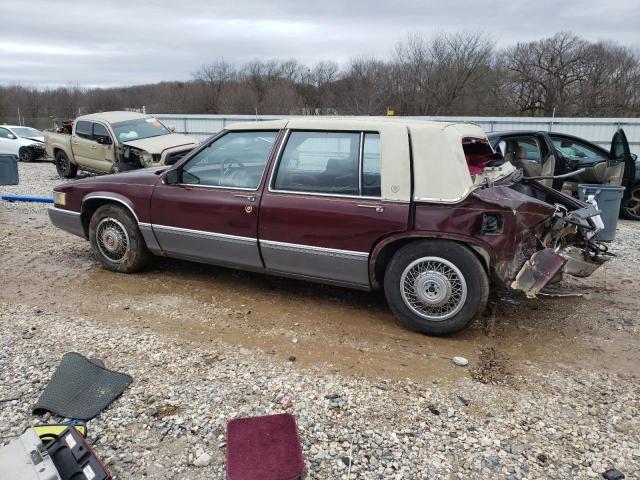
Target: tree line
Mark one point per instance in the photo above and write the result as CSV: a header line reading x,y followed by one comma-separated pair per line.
x,y
447,74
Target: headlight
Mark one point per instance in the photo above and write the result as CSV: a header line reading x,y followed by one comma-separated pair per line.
x,y
146,157
59,199
37,145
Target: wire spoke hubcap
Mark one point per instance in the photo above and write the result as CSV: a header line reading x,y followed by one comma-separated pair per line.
x,y
433,288
112,239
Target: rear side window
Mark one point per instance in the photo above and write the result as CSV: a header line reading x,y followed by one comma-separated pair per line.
x,y
330,163
479,154
83,130
371,165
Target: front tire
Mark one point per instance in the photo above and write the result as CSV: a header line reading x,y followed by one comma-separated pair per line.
x,y
631,207
116,240
25,154
64,167
435,287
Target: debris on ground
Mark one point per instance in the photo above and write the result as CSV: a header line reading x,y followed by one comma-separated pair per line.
x,y
460,361
492,366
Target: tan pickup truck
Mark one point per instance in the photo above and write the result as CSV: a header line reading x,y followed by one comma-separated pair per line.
x,y
112,142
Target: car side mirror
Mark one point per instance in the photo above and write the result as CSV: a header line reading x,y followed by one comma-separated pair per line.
x,y
104,140
172,176
171,128
11,136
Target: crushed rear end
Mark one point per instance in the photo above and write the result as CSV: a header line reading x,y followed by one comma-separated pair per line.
x,y
545,233
551,234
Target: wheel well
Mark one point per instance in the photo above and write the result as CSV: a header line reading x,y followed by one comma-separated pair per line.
x,y
389,251
90,206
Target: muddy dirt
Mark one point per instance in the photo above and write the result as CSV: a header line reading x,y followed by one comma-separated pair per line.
x,y
341,330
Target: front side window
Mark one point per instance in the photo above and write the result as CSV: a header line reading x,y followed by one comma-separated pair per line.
x,y
320,162
83,130
4,133
577,152
138,129
235,160
100,131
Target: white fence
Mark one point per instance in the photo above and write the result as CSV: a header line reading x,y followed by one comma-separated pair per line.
x,y
597,130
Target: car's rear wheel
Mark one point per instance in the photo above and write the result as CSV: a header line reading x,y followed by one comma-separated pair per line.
x,y
116,240
64,167
435,286
25,154
631,207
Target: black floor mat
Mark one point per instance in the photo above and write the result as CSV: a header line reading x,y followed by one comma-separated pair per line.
x,y
80,389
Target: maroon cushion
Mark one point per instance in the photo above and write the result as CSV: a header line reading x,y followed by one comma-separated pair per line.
x,y
264,448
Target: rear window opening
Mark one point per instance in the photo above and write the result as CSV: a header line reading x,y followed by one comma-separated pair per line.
x,y
480,155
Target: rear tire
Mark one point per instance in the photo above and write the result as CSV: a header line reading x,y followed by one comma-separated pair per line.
x,y
64,167
630,209
25,154
435,287
116,240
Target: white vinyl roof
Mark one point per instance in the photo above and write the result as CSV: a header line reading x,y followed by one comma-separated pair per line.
x,y
439,164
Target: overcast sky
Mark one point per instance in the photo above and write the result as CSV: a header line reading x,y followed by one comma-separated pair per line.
x,y
108,43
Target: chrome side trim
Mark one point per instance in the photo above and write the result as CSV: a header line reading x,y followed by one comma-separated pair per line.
x,y
144,225
218,187
331,252
201,233
114,199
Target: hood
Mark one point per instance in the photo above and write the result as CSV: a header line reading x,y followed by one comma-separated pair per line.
x,y
161,143
35,139
142,176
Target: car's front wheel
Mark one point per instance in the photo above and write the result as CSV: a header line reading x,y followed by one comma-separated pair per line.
x,y
116,239
25,154
631,206
64,167
435,286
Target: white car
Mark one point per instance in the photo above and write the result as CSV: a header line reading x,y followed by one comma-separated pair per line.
x,y
26,143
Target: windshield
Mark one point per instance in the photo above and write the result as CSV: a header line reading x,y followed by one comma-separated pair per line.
x,y
27,132
139,128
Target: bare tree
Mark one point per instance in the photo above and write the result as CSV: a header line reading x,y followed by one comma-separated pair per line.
x,y
214,76
544,74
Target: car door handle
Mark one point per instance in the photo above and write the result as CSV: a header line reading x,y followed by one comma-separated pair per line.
x,y
251,198
93,147
378,208
75,143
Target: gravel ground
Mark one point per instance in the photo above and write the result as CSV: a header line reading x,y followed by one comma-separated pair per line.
x,y
496,418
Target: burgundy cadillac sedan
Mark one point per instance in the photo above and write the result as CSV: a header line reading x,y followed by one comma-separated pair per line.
x,y
427,211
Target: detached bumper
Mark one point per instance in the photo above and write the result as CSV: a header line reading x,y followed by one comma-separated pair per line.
x,y
67,220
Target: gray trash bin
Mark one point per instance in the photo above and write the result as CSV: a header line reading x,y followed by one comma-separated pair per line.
x,y
8,170
608,198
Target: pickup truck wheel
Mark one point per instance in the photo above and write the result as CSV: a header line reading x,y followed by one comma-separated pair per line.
x,y
64,167
116,240
25,154
435,286
631,207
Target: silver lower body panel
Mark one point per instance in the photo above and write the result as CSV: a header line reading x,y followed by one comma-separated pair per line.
x,y
67,220
321,264
208,247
